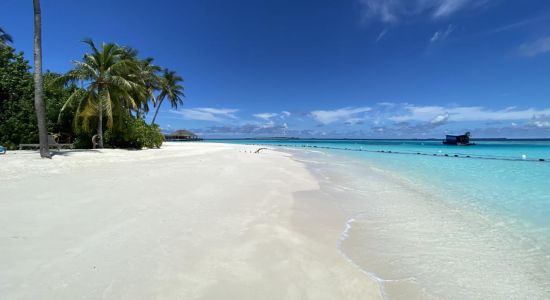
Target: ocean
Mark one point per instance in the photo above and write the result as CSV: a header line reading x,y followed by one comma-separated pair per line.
x,y
431,221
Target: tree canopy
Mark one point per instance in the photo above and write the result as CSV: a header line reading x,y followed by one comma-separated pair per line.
x,y
109,87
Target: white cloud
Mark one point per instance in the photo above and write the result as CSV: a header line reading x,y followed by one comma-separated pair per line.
x,y
381,35
535,48
265,116
390,11
466,113
448,7
346,114
269,116
440,119
541,121
248,129
442,34
207,114
515,25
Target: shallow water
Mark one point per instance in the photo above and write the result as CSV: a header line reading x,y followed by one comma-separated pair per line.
x,y
441,226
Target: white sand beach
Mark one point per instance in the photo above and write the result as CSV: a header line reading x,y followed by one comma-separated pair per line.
x,y
188,221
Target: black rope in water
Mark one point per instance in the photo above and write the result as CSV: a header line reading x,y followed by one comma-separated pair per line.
x,y
415,153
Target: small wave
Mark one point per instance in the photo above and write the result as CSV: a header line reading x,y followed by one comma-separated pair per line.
x,y
343,237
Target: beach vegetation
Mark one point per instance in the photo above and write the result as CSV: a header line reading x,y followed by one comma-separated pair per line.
x,y
119,86
134,133
111,86
108,92
17,119
18,123
170,88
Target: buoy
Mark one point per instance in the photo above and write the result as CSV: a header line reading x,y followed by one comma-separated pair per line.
x,y
523,156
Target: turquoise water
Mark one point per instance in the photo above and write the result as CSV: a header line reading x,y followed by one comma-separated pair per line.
x,y
445,222
505,176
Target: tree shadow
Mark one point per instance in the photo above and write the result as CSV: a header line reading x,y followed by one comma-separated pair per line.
x,y
70,152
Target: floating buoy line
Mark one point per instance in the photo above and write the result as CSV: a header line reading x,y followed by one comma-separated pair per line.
x,y
440,154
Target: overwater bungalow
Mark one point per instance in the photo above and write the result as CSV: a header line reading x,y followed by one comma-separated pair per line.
x,y
458,140
182,135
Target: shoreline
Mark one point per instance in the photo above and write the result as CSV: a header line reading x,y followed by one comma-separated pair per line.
x,y
285,223
192,220
397,230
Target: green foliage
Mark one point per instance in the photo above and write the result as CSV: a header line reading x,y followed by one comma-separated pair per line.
x,y
133,133
17,117
55,97
83,139
170,88
123,91
112,84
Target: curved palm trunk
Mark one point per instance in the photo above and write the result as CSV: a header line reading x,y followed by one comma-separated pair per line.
x,y
156,112
38,83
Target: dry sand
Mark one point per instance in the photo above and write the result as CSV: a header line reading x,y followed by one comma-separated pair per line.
x,y
188,221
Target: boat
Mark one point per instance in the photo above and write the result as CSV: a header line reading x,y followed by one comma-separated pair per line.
x,y
458,140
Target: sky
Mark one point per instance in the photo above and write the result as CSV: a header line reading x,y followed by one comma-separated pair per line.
x,y
325,68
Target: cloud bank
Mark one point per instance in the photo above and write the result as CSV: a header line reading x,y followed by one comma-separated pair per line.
x,y
381,120
207,114
346,115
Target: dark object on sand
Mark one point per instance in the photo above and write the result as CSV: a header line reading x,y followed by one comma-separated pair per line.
x,y
258,151
458,140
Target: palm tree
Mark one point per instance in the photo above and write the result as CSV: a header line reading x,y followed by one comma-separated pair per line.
x,y
39,105
171,88
111,85
4,38
149,76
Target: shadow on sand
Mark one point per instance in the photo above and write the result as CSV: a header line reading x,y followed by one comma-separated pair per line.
x,y
70,152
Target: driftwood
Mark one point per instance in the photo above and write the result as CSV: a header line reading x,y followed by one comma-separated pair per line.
x,y
260,149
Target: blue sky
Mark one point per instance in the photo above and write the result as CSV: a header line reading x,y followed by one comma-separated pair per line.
x,y
325,68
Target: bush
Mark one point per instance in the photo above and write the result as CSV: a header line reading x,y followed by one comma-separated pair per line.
x,y
133,133
153,137
17,117
83,140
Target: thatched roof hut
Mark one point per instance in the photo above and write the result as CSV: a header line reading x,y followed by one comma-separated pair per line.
x,y
182,135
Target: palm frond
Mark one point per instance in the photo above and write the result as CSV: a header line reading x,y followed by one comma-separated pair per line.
x,y
5,37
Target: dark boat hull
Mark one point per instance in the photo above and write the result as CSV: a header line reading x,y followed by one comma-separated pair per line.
x,y
457,144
